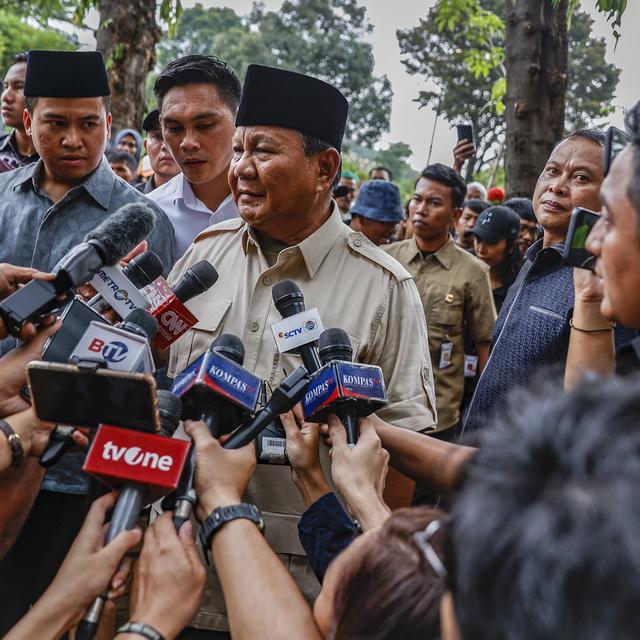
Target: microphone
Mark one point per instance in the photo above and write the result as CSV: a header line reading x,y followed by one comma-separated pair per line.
x,y
283,399
117,288
145,466
219,391
300,328
122,348
348,389
105,245
167,306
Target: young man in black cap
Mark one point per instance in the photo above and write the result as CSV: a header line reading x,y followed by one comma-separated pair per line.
x,y
286,157
46,209
162,164
16,147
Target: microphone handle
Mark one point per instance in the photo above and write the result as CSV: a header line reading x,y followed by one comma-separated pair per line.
x,y
349,419
310,358
125,515
245,434
186,494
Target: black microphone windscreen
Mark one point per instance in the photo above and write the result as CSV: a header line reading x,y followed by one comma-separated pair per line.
x,y
144,269
142,319
285,290
170,409
230,346
197,279
122,231
335,344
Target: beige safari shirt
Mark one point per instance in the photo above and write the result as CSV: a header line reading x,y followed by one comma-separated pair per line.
x,y
456,294
355,286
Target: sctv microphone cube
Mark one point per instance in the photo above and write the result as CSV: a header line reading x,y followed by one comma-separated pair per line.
x,y
339,384
119,455
215,372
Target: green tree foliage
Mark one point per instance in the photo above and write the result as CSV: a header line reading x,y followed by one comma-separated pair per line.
x,y
441,56
324,38
396,157
17,36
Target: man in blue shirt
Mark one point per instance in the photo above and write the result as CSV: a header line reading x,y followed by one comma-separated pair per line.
x,y
531,333
46,209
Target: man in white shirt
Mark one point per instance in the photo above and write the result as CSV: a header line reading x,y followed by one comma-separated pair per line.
x,y
198,98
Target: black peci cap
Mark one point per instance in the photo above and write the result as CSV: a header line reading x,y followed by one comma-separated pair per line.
x,y
66,74
151,121
278,98
496,223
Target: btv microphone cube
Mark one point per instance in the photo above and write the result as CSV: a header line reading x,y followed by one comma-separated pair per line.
x,y
217,373
341,383
120,455
119,349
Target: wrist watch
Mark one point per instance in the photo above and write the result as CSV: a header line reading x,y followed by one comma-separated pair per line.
x,y
141,629
17,450
220,516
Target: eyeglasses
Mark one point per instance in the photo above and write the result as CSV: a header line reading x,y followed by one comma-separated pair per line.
x,y
423,540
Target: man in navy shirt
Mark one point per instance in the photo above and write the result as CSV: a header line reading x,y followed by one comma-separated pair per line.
x,y
531,333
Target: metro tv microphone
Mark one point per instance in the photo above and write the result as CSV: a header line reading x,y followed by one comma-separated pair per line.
x,y
167,305
144,466
346,388
118,288
105,245
219,391
296,329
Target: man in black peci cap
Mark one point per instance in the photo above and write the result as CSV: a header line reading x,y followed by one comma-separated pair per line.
x,y
46,209
285,164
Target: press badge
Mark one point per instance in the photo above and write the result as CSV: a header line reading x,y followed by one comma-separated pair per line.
x,y
470,366
446,351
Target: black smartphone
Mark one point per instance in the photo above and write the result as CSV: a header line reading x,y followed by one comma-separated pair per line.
x,y
68,395
465,132
75,321
614,142
575,253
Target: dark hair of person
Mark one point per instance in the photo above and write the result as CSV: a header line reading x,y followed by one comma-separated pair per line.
x,y
523,207
31,101
381,168
313,145
632,123
512,263
390,590
446,175
122,156
595,135
543,541
19,58
477,206
198,69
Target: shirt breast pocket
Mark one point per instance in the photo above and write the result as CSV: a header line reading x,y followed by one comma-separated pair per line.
x,y
210,313
447,313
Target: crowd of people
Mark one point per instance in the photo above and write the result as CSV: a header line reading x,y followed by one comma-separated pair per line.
x,y
492,496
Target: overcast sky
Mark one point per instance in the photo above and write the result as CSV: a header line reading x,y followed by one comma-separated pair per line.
x,y
414,126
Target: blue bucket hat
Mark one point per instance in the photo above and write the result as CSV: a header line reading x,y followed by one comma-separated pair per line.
x,y
379,200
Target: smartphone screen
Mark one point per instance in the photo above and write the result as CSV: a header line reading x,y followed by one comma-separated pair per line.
x,y
63,394
615,142
465,132
580,226
75,321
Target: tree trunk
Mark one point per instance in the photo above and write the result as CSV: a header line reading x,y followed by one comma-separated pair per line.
x,y
127,38
536,64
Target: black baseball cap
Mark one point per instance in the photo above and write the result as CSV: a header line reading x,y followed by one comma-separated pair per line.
x,y
496,223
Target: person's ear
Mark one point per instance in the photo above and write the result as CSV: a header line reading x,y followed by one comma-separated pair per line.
x,y
108,126
457,212
26,121
328,164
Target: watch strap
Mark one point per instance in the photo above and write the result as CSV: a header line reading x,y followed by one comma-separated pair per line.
x,y
141,629
17,450
220,516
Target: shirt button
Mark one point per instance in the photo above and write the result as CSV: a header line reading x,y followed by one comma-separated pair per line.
x,y
254,326
357,243
267,281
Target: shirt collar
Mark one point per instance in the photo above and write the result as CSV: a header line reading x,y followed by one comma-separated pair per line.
x,y
98,185
7,141
314,249
537,247
445,255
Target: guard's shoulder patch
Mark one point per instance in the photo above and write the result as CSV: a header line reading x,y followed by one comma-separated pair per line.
x,y
361,245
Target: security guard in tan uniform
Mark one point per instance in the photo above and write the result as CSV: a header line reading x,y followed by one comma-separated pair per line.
x,y
286,156
454,287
